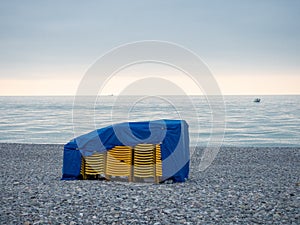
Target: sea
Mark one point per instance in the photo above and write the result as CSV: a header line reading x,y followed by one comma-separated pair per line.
x,y
273,122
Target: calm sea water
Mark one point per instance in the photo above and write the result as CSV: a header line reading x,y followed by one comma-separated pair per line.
x,y
275,121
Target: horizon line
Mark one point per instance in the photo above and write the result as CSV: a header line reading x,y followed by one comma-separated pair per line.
x,y
114,95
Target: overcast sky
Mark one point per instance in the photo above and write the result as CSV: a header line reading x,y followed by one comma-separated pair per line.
x,y
251,47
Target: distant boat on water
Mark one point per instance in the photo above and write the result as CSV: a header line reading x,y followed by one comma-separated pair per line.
x,y
257,100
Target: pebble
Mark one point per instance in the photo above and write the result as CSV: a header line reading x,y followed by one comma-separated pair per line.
x,y
242,186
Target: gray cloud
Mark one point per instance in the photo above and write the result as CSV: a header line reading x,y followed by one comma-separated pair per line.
x,y
51,34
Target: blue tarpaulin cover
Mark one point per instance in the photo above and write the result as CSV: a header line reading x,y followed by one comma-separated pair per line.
x,y
171,134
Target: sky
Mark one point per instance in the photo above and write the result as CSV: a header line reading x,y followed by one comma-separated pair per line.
x,y
251,47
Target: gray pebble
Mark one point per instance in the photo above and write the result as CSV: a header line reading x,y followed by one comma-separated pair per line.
x,y
242,186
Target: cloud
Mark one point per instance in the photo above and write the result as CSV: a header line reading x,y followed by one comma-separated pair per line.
x,y
61,39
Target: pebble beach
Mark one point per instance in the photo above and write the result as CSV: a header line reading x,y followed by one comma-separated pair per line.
x,y
242,186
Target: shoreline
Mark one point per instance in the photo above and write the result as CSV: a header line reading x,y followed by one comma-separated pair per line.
x,y
201,147
243,185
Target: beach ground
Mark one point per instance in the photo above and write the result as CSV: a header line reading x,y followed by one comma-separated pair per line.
x,y
242,186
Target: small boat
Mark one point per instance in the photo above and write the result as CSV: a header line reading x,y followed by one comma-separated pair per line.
x,y
257,100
